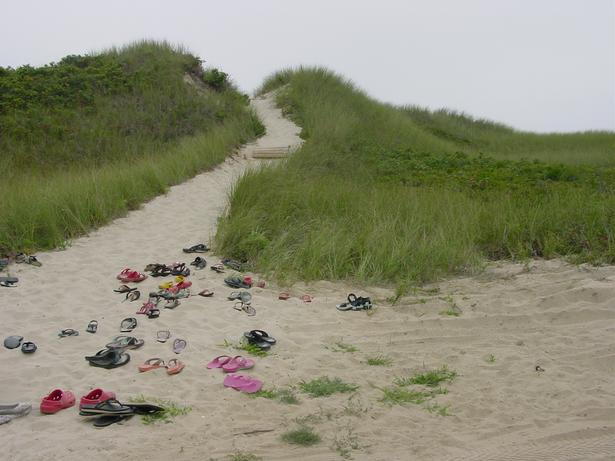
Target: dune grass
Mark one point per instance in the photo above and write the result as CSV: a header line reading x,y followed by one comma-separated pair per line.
x,y
374,195
91,137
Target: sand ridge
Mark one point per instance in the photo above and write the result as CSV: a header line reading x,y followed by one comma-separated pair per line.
x,y
545,313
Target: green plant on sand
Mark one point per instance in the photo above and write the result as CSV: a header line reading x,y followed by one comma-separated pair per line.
x,y
325,386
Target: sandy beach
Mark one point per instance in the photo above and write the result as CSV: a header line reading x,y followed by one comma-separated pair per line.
x,y
513,318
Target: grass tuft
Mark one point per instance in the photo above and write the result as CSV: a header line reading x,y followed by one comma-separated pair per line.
x,y
304,436
324,387
379,361
430,378
244,456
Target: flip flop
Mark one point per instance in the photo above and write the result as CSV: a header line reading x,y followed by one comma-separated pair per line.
x,y
109,358
174,366
92,326
124,289
219,268
13,342
16,409
163,335
108,407
125,342
128,324
145,408
218,361
28,347
128,275
133,296
244,296
198,248
146,307
153,313
151,364
307,298
237,282
199,263
206,293
171,304
8,282
235,265
243,383
68,332
108,420
22,258
261,336
179,345
284,296
237,363
245,307
165,285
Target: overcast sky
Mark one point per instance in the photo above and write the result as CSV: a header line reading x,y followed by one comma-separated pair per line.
x,y
541,65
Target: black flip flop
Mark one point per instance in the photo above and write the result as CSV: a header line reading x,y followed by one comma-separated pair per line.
x,y
198,248
145,408
258,340
153,313
108,420
109,358
108,407
199,263
68,332
13,342
262,335
92,326
235,265
128,324
8,282
133,296
124,289
28,347
125,342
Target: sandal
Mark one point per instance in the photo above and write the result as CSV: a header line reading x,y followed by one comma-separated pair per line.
x,y
174,366
219,268
198,248
163,335
92,326
179,345
128,324
218,361
199,263
153,313
68,332
235,265
245,307
132,296
307,298
284,296
207,293
355,303
125,342
124,289
128,275
151,364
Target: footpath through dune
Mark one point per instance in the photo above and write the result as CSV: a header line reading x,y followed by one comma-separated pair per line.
x,y
505,322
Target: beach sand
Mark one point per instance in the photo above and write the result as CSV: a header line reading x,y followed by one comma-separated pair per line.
x,y
546,313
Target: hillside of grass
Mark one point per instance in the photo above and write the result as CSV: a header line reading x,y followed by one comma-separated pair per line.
x,y
90,137
404,195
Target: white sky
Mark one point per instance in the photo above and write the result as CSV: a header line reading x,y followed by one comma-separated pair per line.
x,y
541,65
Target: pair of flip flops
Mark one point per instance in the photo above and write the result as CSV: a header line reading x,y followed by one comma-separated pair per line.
x,y
260,339
199,263
22,258
243,383
109,358
355,303
245,307
128,324
231,364
13,342
198,248
112,411
173,366
129,275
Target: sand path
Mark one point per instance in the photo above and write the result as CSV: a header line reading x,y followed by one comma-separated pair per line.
x,y
550,314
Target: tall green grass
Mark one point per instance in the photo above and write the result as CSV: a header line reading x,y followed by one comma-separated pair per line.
x,y
375,196
129,128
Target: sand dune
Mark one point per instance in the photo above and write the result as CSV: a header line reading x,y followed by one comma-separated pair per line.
x,y
545,313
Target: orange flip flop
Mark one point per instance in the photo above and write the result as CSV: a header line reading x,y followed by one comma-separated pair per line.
x,y
284,296
151,364
174,366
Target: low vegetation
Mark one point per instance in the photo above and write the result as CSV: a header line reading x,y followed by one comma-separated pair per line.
x,y
304,436
325,386
88,138
405,195
171,411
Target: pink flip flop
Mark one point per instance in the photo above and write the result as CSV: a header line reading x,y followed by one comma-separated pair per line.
x,y
237,363
218,362
243,383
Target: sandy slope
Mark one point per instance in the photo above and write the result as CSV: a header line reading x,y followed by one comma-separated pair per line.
x,y
546,313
